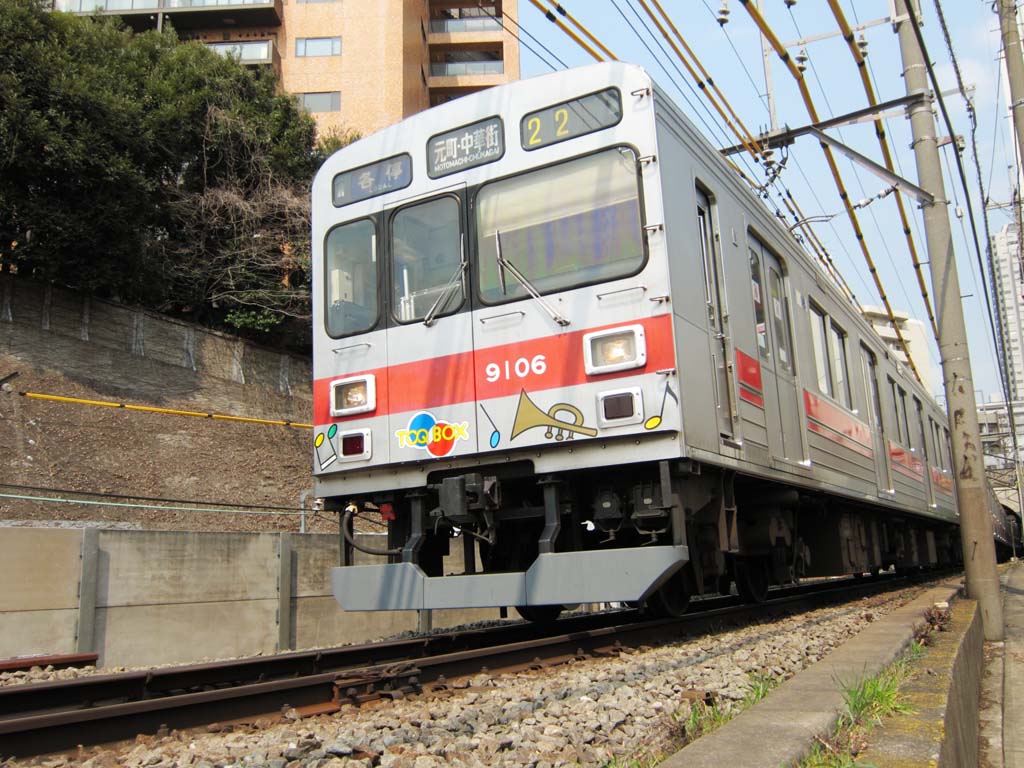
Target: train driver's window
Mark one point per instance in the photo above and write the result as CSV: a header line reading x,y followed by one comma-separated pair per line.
x,y
757,293
426,259
567,225
350,256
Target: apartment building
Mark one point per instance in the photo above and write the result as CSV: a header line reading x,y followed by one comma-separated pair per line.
x,y
354,64
916,335
1009,295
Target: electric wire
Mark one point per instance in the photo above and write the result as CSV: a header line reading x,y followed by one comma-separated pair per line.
x,y
586,32
783,54
997,323
812,239
519,40
863,190
561,25
883,143
959,162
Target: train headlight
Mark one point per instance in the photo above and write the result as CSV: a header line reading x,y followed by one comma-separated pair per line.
x,y
615,349
354,395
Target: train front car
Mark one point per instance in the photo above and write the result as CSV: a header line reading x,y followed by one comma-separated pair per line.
x,y
494,352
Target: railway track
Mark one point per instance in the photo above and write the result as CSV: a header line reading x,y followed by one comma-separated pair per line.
x,y
39,718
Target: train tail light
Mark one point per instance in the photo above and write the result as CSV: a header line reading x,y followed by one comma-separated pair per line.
x,y
355,445
357,394
620,407
615,349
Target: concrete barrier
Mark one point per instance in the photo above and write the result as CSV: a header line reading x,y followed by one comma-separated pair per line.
x,y
156,597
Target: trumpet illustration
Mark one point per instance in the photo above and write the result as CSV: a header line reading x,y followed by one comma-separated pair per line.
x,y
529,416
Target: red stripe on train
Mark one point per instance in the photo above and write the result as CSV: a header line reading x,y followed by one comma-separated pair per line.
x,y
748,371
905,462
461,378
837,420
942,481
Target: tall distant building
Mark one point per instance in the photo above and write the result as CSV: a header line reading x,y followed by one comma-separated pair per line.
x,y
916,335
355,65
1009,295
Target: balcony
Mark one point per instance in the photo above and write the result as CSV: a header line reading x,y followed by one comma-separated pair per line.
x,y
461,68
249,53
455,26
141,15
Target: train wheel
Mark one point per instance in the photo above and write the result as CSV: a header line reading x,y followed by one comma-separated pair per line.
x,y
539,614
673,598
751,579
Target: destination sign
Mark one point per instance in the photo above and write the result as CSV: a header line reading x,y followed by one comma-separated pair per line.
x,y
371,180
467,147
571,119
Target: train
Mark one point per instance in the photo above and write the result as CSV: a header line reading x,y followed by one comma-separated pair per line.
x,y
552,322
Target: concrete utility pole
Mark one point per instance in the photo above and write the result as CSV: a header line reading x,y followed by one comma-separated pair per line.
x,y
971,490
1014,72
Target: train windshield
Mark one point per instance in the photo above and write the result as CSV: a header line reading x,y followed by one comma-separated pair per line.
x,y
427,258
567,225
351,260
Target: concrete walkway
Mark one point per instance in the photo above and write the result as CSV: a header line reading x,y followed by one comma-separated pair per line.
x,y
1013,669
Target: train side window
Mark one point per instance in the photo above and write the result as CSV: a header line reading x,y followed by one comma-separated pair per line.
x,y
871,386
757,292
901,412
898,417
933,433
922,437
780,320
820,343
426,259
350,260
840,369
948,450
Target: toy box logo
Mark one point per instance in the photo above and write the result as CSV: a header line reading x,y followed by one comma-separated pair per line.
x,y
426,433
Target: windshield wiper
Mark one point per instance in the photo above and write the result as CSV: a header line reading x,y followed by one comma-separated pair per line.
x,y
449,290
504,264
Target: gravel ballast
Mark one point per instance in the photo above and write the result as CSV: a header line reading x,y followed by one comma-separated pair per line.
x,y
589,712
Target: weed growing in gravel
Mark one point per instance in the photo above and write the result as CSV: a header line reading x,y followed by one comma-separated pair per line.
x,y
868,700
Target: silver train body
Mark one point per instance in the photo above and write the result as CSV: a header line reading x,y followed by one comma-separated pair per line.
x,y
551,321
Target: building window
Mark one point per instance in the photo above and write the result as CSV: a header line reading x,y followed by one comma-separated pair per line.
x,y
329,101
318,46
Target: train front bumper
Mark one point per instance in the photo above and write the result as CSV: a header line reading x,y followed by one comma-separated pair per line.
x,y
559,578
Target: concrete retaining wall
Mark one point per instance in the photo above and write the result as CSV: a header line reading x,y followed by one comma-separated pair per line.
x,y
155,597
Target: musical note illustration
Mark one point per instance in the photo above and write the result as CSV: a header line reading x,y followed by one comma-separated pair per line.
x,y
495,434
655,421
325,453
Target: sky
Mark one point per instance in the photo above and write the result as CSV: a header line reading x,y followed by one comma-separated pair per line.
x,y
732,55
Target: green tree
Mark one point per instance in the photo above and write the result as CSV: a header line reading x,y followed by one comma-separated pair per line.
x,y
152,171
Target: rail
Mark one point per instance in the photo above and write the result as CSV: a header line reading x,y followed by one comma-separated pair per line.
x,y
40,718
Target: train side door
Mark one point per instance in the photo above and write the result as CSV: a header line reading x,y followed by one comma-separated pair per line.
x,y
775,340
869,370
714,296
430,337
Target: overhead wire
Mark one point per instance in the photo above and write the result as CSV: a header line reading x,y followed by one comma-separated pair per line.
x,y
797,75
561,25
811,238
883,143
961,174
519,39
997,323
856,174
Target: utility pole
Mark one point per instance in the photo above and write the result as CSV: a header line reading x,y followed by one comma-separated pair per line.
x,y
1014,71
976,533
